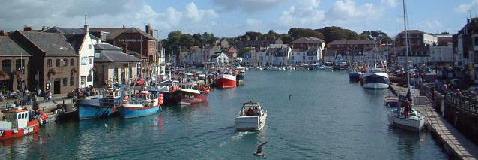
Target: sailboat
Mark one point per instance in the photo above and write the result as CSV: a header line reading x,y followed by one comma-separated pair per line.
x,y
404,116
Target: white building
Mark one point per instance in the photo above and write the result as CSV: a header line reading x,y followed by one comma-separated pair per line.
x,y
220,59
81,40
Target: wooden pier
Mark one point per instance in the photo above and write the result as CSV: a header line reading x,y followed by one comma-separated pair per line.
x,y
456,145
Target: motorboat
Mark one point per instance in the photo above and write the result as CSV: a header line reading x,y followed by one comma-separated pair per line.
x,y
375,78
252,117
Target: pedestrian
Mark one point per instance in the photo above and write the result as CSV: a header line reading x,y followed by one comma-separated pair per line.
x,y
39,92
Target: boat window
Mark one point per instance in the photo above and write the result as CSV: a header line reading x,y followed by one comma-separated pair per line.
x,y
19,116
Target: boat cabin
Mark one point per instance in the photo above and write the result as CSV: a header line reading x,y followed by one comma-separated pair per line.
x,y
251,109
14,118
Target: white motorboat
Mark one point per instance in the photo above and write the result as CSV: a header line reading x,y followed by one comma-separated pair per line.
x,y
252,117
376,78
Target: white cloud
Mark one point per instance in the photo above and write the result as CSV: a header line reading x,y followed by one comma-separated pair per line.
x,y
247,5
391,3
465,8
196,14
102,13
305,13
348,10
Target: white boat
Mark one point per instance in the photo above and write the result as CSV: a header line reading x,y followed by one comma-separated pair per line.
x,y
376,78
412,121
252,117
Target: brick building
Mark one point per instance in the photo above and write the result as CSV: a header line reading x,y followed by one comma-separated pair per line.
x,y
136,40
53,63
14,62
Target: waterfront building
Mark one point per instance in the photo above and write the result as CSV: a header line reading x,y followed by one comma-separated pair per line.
x,y
14,65
465,47
419,46
220,59
81,40
307,50
136,40
351,47
54,62
112,65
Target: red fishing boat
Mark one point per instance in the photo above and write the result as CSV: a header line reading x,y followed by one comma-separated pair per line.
x,y
18,122
191,97
226,81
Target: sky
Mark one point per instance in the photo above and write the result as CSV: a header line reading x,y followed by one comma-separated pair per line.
x,y
227,18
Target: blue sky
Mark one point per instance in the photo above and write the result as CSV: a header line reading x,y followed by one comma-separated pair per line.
x,y
234,17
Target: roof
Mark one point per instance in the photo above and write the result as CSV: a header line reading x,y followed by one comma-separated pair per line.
x,y
336,42
106,46
308,40
74,36
53,44
115,56
76,40
412,32
9,48
115,32
66,30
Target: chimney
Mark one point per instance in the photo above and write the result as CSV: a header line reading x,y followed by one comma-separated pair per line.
x,y
148,29
86,28
27,28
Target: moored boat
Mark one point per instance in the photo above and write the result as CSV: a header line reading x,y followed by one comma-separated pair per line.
x,y
375,79
191,97
252,117
19,122
100,107
140,104
226,81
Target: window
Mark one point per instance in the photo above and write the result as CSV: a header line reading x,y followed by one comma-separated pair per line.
x,y
57,62
65,62
91,60
19,63
65,81
115,75
7,66
84,60
90,76
72,80
130,72
82,80
476,41
72,62
90,46
49,63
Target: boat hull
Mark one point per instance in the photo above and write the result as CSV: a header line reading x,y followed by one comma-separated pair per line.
x,y
250,123
226,82
407,123
90,109
133,112
375,85
33,128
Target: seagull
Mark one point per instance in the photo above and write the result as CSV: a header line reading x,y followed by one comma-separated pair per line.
x,y
259,149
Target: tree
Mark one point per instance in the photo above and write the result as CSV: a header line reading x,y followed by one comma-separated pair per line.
x,y
376,35
296,33
337,33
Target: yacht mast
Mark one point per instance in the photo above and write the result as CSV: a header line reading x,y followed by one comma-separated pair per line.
x,y
405,23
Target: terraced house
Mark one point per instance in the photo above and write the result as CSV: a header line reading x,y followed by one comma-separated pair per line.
x,y
53,63
13,65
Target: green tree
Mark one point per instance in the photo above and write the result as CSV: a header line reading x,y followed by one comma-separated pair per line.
x,y
337,33
296,33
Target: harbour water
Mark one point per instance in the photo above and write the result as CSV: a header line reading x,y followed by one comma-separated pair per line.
x,y
326,118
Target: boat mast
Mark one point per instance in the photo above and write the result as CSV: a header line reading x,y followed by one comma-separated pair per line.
x,y
405,18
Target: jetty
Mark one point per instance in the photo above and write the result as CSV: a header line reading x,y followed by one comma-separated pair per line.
x,y
455,143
